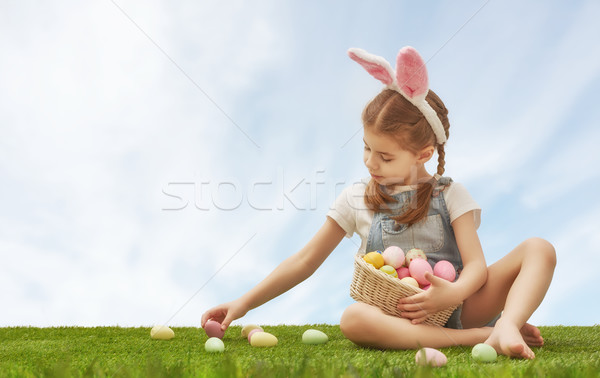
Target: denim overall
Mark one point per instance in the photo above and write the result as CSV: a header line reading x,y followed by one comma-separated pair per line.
x,y
434,235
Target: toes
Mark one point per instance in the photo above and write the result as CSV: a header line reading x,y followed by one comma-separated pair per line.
x,y
520,350
516,349
533,341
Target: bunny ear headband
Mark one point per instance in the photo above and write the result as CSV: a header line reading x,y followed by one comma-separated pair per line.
x,y
409,79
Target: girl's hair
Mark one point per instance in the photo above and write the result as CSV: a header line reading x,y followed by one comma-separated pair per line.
x,y
390,113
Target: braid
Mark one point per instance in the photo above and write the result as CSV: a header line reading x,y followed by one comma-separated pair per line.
x,y
441,161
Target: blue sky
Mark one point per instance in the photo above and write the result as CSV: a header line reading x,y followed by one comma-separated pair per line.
x,y
129,198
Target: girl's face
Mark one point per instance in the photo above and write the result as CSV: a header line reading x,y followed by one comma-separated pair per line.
x,y
390,164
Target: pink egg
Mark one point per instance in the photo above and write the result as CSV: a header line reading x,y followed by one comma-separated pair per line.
x,y
253,332
444,269
431,357
417,269
403,272
213,329
393,256
425,287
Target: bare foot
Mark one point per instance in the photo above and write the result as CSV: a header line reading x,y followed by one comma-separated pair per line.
x,y
532,336
507,340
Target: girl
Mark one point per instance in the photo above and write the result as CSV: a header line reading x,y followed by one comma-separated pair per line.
x,y
403,205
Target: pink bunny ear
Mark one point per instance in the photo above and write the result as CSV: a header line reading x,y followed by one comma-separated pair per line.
x,y
378,67
411,73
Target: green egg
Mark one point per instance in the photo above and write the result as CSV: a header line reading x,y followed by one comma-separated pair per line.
x,y
484,353
313,336
214,344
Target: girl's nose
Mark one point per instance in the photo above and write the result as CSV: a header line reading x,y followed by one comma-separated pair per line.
x,y
369,162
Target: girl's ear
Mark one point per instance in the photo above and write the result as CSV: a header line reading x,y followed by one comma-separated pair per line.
x,y
411,73
426,154
378,67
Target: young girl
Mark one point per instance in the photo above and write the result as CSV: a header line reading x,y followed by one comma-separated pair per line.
x,y
403,205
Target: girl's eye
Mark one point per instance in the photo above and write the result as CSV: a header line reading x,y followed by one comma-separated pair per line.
x,y
367,148
386,160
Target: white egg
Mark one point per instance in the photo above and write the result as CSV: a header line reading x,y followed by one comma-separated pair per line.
x,y
214,344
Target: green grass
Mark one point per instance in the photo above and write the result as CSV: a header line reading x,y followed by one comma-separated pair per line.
x,y
129,352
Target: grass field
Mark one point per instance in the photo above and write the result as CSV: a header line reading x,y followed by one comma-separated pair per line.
x,y
129,352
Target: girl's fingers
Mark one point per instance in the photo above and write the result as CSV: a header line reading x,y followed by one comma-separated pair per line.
x,y
214,314
415,315
410,307
419,320
416,298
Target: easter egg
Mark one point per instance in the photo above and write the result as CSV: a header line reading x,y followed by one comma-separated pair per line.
x,y
213,329
414,253
444,269
431,357
410,281
313,337
417,269
484,353
253,332
214,344
389,270
393,256
375,259
263,339
403,272
425,287
161,332
247,328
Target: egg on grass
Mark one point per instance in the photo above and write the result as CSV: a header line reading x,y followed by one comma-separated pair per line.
x,y
263,339
161,332
214,345
430,357
249,327
484,353
314,337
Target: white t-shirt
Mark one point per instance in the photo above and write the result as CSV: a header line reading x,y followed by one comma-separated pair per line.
x,y
351,213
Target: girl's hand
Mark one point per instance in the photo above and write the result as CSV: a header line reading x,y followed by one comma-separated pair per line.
x,y
224,313
440,295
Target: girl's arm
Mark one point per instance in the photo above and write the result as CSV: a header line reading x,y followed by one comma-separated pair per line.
x,y
288,274
442,293
474,273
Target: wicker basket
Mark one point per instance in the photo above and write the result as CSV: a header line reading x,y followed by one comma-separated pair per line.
x,y
379,289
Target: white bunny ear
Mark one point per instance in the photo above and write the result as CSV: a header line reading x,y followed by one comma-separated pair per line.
x,y
377,66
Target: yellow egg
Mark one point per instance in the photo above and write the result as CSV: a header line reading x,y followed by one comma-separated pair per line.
x,y
410,281
375,259
389,270
247,328
161,332
263,339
